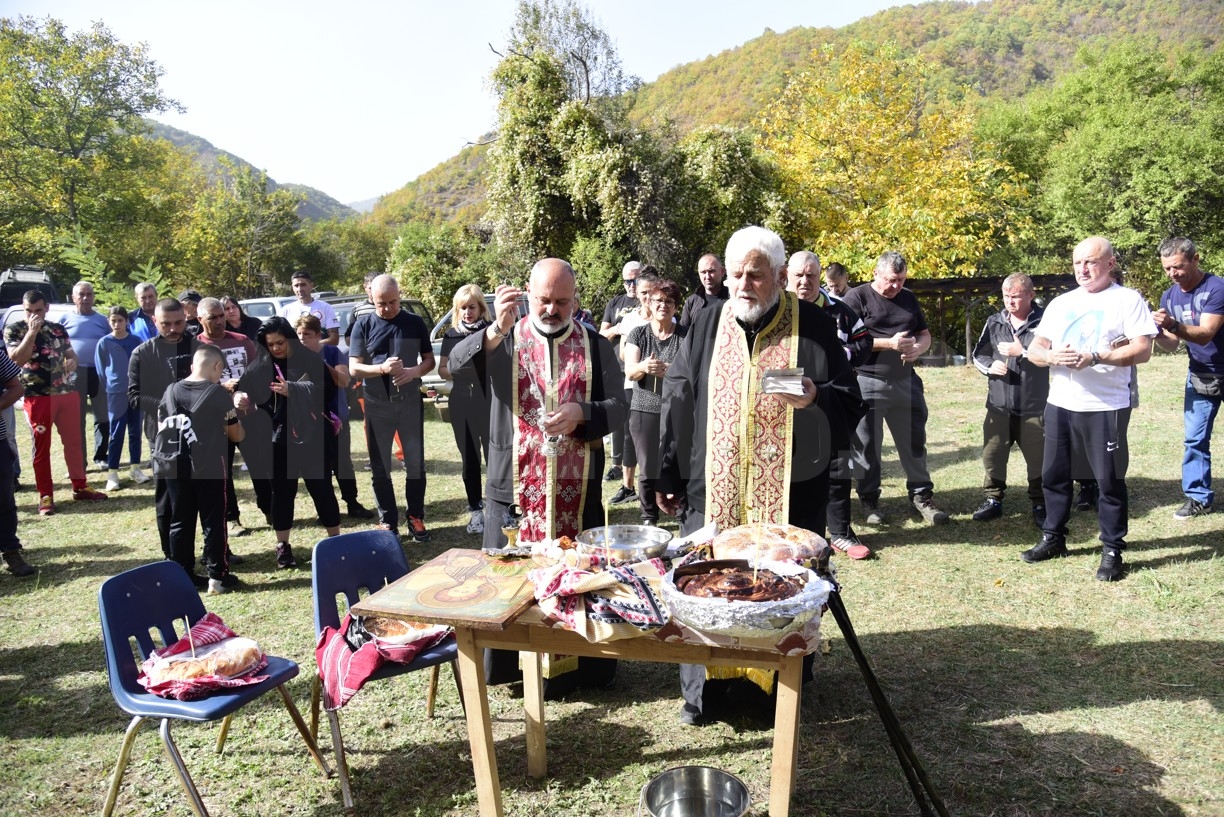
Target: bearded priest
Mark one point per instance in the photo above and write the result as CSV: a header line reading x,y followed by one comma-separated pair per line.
x,y
755,406
556,391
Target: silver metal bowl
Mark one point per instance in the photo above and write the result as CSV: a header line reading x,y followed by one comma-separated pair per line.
x,y
625,543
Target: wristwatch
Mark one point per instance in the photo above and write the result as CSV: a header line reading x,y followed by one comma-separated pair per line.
x,y
1096,359
497,330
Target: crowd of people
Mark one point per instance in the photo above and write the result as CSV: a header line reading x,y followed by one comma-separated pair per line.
x,y
681,390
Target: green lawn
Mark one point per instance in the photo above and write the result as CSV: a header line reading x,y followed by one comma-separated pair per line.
x,y
1025,689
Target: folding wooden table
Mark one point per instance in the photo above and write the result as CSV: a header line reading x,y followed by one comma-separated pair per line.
x,y
490,603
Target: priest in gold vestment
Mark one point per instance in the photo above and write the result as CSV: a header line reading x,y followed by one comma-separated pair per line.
x,y
730,446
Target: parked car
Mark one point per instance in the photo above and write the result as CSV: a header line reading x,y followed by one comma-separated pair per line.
x,y
18,280
345,304
264,308
432,384
16,312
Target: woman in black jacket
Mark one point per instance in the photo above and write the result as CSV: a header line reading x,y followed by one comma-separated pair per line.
x,y
299,390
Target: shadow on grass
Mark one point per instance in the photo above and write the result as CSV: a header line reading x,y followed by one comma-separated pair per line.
x,y
962,692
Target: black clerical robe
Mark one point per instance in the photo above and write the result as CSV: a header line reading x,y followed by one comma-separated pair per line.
x,y
819,430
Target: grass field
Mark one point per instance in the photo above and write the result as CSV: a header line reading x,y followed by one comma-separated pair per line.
x,y
1025,689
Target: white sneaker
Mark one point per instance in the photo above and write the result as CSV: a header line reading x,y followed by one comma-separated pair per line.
x,y
138,476
476,522
112,482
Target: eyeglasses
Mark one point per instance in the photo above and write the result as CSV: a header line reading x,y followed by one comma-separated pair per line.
x,y
663,302
630,282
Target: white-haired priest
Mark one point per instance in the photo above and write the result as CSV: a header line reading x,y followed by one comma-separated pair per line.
x,y
728,443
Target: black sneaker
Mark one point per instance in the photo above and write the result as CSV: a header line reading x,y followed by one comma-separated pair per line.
x,y
623,495
1051,546
417,525
1039,515
690,715
284,555
990,508
925,506
871,507
200,582
1086,500
614,473
1190,509
359,511
1111,569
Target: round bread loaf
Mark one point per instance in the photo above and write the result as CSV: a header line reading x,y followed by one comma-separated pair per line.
x,y
228,658
770,542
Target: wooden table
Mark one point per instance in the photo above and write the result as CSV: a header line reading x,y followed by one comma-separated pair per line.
x,y
499,613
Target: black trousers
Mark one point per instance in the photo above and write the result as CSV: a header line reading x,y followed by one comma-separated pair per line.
x,y
644,429
469,419
163,502
338,450
1100,436
205,499
285,488
89,389
383,419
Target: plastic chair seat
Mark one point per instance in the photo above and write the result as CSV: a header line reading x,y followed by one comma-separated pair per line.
x,y
159,597
216,706
344,565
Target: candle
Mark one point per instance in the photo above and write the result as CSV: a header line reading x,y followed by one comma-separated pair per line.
x,y
607,534
190,640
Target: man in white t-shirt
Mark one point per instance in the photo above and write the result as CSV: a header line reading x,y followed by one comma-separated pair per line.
x,y
1090,338
307,304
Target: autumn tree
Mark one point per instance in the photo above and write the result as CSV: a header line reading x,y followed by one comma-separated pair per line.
x,y
72,147
870,161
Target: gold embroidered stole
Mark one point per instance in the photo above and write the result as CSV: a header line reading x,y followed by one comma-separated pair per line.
x,y
749,433
550,490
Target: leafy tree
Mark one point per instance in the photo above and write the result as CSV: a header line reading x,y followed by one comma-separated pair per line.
x,y
870,162
728,183
241,237
1131,146
72,152
431,261
339,252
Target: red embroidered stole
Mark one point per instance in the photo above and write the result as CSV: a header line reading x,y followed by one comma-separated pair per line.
x,y
748,433
550,490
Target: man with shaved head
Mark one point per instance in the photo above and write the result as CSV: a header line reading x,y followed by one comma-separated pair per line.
x,y
711,293
1090,338
557,390
390,351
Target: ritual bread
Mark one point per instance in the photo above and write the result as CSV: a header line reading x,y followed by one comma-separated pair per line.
x,y
228,658
393,627
771,543
740,584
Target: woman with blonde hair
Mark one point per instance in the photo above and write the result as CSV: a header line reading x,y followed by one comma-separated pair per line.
x,y
469,397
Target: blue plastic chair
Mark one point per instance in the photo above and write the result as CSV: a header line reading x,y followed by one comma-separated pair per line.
x,y
157,597
344,565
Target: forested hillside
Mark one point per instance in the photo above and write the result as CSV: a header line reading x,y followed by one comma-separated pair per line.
x,y
993,48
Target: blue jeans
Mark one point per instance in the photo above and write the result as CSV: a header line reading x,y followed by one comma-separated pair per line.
x,y
1200,414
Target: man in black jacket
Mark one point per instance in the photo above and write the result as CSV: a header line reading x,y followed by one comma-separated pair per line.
x,y
1015,397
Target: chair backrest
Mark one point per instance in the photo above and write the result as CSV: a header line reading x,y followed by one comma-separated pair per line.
x,y
349,562
151,597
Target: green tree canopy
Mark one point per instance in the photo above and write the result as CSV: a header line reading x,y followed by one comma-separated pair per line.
x,y
1130,146
72,151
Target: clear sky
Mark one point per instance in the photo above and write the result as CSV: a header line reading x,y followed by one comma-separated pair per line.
x,y
358,98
